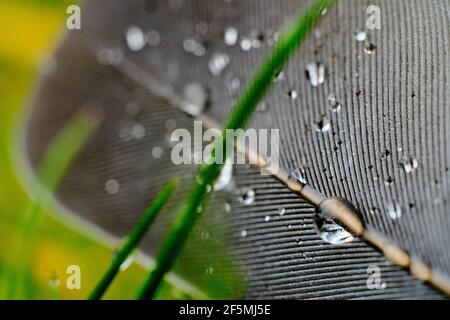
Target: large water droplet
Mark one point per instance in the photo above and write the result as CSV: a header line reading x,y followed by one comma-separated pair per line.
x,y
315,72
330,231
217,63
136,39
247,196
244,233
231,36
323,125
335,105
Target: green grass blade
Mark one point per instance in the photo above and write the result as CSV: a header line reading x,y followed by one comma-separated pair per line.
x,y
290,39
65,147
134,238
57,159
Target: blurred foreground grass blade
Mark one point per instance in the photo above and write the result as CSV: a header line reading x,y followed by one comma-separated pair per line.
x,y
65,147
134,238
291,37
56,161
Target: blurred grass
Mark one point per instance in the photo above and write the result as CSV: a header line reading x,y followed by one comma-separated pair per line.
x,y
29,29
134,239
58,158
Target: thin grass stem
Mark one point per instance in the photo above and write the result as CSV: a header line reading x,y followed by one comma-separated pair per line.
x,y
291,38
57,159
134,239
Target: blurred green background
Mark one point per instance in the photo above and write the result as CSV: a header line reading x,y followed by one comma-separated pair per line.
x,y
29,30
